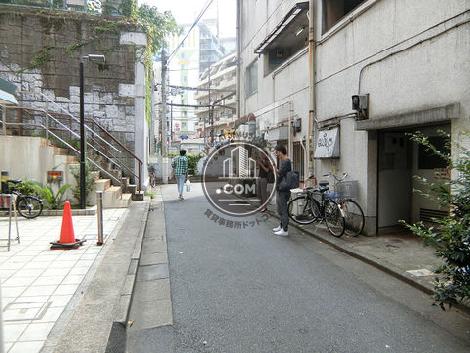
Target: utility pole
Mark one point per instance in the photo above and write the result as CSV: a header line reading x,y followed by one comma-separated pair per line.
x,y
310,138
211,118
211,111
164,107
238,56
82,139
171,122
209,92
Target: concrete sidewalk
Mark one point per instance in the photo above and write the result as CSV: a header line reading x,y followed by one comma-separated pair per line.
x,y
402,256
97,321
38,283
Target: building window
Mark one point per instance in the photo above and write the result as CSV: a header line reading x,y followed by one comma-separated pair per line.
x,y
286,39
277,56
251,79
298,159
335,10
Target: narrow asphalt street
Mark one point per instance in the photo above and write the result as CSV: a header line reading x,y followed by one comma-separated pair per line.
x,y
247,291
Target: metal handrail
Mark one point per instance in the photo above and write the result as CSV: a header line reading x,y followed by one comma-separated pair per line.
x,y
126,149
71,116
123,166
106,133
65,127
114,160
67,144
49,131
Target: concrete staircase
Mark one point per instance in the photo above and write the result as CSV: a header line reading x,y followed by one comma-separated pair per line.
x,y
113,197
113,162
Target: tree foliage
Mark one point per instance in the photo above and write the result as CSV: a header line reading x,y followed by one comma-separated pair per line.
x,y
450,236
157,25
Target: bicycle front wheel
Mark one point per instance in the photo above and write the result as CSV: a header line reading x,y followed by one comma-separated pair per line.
x,y
303,210
354,217
153,181
334,219
29,206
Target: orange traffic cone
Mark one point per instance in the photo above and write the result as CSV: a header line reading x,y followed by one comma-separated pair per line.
x,y
67,235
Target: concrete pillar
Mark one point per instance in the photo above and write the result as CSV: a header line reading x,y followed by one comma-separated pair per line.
x,y
370,208
139,40
165,169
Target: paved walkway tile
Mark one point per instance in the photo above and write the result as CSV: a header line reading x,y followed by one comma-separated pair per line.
x,y
38,283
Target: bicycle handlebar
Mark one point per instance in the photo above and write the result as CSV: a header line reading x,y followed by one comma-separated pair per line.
x,y
338,179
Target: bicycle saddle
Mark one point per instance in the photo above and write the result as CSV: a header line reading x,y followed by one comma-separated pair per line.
x,y
14,181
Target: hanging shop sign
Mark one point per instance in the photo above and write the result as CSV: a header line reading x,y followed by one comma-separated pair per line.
x,y
327,145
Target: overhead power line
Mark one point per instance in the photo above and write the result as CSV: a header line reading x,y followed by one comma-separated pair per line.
x,y
209,3
202,106
198,88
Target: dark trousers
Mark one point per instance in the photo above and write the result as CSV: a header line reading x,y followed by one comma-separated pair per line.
x,y
282,198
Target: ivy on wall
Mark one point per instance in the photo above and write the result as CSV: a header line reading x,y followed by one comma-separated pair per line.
x,y
155,24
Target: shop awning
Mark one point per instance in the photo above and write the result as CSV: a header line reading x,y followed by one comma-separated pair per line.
x,y
291,22
7,93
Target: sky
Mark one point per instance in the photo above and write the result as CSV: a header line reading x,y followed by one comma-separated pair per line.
x,y
186,11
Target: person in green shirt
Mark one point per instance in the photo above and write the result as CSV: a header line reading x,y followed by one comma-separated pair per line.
x,y
180,165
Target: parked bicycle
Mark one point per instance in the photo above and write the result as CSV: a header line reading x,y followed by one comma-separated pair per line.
x,y
152,176
344,194
28,206
315,205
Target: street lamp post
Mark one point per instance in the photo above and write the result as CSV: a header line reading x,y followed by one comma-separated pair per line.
x,y
82,140
98,59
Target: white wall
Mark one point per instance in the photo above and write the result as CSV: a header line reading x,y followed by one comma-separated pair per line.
x,y
404,53
26,157
30,158
403,70
288,84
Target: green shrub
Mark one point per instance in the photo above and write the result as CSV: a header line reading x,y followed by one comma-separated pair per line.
x,y
89,181
28,187
54,201
451,235
193,160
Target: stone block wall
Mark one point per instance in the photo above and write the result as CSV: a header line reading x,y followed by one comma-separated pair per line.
x,y
40,53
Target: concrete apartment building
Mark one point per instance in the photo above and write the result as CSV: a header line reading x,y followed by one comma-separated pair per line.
x,y
201,49
274,75
219,89
395,53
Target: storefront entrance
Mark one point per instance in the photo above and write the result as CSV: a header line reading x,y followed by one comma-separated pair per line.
x,y
399,161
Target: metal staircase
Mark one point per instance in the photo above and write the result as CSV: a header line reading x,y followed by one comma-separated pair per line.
x,y
105,153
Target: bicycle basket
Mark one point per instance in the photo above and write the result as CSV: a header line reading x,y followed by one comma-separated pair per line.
x,y
347,189
331,195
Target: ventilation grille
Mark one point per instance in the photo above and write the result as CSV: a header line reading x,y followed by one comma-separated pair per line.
x,y
428,215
